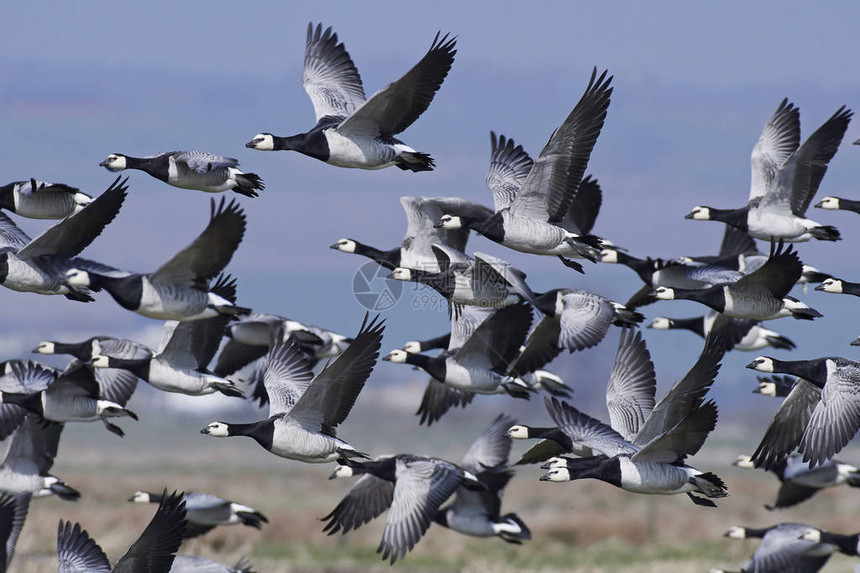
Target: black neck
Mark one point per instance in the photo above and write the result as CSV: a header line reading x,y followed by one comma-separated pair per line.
x,y
595,467
750,532
712,297
30,402
263,432
546,301
443,283
313,144
736,218
80,350
155,166
127,291
847,544
384,469
433,365
696,325
438,342
642,267
814,371
137,366
553,434
7,201
491,227
388,259
4,267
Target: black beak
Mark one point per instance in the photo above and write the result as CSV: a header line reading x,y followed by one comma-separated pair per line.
x,y
855,342
103,164
437,225
820,288
689,215
751,365
251,144
387,358
334,246
544,478
204,431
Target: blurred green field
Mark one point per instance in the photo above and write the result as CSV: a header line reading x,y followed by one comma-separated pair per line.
x,y
585,526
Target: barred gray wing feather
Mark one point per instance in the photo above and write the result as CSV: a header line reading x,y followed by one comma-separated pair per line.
x,y
632,385
203,161
367,499
330,78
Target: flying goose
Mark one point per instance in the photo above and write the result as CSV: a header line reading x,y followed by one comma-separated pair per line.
x,y
73,395
304,410
484,280
249,338
838,286
799,482
759,295
420,486
13,513
205,511
482,362
116,384
30,453
196,169
475,510
153,551
509,168
181,363
42,200
641,437
792,547
838,203
757,338
530,223
819,416
180,288
20,256
779,212
415,251
351,130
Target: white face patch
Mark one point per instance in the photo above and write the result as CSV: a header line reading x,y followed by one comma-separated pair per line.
x,y
398,356
77,278
661,323
664,293
767,388
518,432
262,142
762,364
608,256
114,162
557,474
345,245
450,222
736,532
828,203
139,497
45,348
342,471
412,347
813,535
744,462
401,274
700,214
217,429
101,361
831,285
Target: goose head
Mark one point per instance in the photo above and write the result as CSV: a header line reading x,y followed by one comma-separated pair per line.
x,y
78,278
609,256
556,474
831,285
828,203
262,141
45,347
449,222
412,347
397,356
664,293
761,364
217,429
114,162
344,246
140,497
744,462
342,471
736,532
765,388
661,323
518,432
699,213
401,274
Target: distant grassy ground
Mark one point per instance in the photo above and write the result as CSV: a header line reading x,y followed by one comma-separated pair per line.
x,y
585,526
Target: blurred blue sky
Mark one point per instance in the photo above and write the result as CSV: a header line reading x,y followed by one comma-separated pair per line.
x,y
694,85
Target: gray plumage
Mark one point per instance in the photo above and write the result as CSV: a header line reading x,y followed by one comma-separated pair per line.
x,y
42,200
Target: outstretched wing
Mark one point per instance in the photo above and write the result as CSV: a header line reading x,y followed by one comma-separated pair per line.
x,y
632,384
396,106
368,498
330,77
509,166
777,142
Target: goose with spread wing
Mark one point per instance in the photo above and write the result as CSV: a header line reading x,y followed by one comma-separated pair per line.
x,y
21,267
352,130
784,184
304,409
415,251
530,223
180,288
